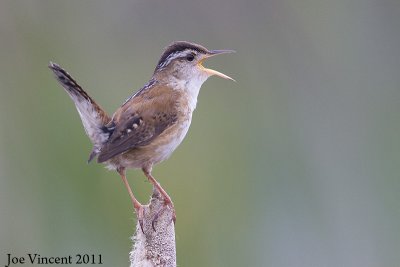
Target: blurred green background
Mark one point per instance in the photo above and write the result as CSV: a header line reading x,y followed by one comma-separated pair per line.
x,y
296,164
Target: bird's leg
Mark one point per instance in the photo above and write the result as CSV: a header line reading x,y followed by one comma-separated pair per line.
x,y
152,180
136,204
167,199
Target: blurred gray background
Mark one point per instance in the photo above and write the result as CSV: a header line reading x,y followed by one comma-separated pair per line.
x,y
296,164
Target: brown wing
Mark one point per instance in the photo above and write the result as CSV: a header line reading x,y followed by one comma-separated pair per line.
x,y
139,121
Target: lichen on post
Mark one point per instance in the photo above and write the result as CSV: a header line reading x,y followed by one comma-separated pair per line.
x,y
154,243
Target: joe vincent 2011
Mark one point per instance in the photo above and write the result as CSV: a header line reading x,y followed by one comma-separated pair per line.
x,y
34,258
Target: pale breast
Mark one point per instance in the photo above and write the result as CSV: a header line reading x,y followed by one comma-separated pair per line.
x,y
158,150
168,142
162,146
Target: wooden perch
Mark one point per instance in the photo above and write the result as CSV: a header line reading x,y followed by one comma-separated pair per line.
x,y
154,247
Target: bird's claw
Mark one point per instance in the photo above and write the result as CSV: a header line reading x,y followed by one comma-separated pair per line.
x,y
140,216
155,219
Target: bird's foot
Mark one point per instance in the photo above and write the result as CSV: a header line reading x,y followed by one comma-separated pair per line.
x,y
140,215
169,205
164,195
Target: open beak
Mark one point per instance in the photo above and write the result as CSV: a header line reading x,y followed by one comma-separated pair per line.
x,y
212,72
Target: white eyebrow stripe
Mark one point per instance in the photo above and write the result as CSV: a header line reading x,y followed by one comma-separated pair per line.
x,y
173,56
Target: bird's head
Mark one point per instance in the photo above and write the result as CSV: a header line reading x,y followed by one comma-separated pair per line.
x,y
183,61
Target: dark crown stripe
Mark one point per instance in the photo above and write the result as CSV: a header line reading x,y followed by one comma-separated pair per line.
x,y
177,47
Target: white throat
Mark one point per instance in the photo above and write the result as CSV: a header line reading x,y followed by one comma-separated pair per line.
x,y
191,87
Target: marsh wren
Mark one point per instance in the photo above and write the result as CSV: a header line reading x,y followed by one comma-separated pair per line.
x,y
152,122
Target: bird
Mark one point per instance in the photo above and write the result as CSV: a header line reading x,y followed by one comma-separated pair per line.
x,y
152,122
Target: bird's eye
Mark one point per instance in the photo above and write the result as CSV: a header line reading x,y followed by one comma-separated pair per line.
x,y
190,57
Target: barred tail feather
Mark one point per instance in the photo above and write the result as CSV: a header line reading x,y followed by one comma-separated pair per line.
x,y
92,115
